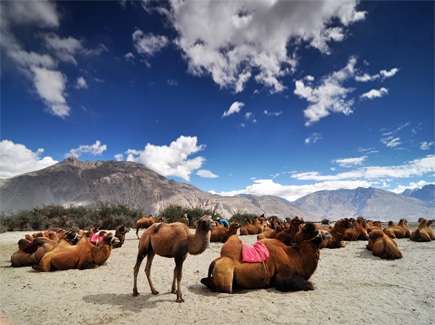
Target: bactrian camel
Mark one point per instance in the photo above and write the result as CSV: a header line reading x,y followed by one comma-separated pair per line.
x,y
171,240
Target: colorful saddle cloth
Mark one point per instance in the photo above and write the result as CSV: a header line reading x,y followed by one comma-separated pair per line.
x,y
255,254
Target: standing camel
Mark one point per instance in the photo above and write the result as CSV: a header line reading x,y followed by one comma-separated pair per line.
x,y
171,240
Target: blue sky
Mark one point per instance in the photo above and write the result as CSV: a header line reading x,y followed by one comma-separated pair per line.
x,y
258,97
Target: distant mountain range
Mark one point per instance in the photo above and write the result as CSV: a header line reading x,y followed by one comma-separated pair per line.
x,y
89,184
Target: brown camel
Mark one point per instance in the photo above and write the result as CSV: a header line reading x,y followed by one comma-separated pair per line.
x,y
171,240
423,232
401,230
83,255
120,234
144,223
286,235
288,268
30,252
358,231
373,225
337,233
253,227
383,246
221,233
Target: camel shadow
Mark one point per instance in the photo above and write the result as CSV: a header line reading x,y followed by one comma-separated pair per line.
x,y
127,301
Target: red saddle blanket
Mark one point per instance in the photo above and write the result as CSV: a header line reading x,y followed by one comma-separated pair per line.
x,y
255,254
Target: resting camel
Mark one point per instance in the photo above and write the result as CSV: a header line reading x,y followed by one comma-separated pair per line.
x,y
373,225
221,233
286,235
171,240
83,255
288,268
144,222
401,230
423,232
358,231
253,227
383,246
337,234
120,234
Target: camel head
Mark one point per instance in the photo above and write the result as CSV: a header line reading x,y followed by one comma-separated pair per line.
x,y
110,239
309,232
206,223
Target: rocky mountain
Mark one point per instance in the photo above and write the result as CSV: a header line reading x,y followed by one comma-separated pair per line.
x,y
426,193
371,203
73,182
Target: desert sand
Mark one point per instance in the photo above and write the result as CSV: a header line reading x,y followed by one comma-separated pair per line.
x,y
351,287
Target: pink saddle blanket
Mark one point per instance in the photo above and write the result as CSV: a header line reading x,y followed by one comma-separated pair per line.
x,y
255,254
96,238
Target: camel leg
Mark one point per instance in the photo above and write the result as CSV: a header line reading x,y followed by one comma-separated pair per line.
x,y
150,257
139,260
137,233
178,274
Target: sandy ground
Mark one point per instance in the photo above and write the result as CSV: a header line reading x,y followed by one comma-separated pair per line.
x,y
351,287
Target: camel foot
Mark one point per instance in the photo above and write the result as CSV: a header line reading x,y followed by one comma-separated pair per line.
x,y
155,292
179,300
135,293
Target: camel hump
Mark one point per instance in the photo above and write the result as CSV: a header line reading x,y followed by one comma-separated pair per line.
x,y
157,228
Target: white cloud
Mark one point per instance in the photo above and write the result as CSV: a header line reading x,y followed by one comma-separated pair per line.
x,y
426,145
170,160
360,177
41,13
390,73
16,159
234,108
313,138
349,162
50,85
64,48
383,74
412,186
81,83
330,96
375,93
95,149
148,44
391,141
231,41
267,113
206,173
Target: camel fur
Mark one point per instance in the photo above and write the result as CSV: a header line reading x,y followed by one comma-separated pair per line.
x,y
171,240
383,246
144,223
288,268
423,232
221,234
83,255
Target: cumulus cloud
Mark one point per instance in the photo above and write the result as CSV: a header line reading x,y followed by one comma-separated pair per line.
x,y
16,159
148,44
361,177
231,41
234,108
375,93
95,149
81,83
206,174
172,160
329,96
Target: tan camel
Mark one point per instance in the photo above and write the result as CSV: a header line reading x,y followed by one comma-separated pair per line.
x,y
423,232
383,245
83,255
171,240
401,230
221,233
144,223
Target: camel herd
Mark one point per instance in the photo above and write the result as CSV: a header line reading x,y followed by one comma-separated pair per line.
x,y
292,247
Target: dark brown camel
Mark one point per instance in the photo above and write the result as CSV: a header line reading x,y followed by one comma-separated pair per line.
x,y
288,268
120,234
286,235
171,240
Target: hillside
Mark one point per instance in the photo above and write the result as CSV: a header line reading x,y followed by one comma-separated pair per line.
x,y
368,202
73,182
426,193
